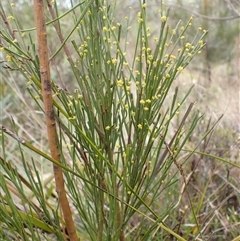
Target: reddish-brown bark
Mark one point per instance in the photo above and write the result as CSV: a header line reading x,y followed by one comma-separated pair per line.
x,y
49,116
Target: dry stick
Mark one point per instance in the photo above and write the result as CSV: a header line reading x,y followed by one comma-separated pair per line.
x,y
49,116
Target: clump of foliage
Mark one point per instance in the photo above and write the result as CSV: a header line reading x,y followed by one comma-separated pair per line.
x,y
118,151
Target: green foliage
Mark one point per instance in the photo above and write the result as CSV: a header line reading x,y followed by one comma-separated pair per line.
x,y
218,17
120,154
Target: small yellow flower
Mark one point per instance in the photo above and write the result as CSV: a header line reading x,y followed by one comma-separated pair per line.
x,y
114,61
148,101
107,128
10,17
9,58
120,83
163,19
139,126
150,57
144,5
137,72
180,69
142,102
137,59
201,43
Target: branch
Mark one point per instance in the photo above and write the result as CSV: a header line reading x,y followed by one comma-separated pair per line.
x,y
49,115
232,7
3,16
204,16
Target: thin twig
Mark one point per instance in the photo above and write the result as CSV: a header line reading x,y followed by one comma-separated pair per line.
x,y
11,32
168,146
10,133
204,16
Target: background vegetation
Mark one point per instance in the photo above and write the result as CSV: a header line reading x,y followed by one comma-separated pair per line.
x,y
195,196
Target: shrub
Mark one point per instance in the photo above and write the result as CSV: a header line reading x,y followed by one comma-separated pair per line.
x,y
115,144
